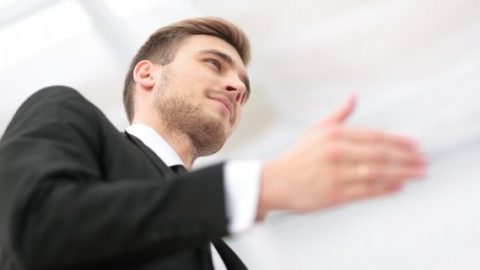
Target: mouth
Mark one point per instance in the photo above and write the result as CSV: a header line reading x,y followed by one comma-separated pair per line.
x,y
225,103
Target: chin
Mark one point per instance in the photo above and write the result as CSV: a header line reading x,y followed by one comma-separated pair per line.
x,y
208,132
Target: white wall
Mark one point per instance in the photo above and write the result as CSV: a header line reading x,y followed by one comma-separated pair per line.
x,y
413,64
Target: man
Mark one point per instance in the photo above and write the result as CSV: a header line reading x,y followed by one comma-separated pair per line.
x,y
76,194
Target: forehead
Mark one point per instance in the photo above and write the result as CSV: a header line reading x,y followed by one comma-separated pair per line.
x,y
197,44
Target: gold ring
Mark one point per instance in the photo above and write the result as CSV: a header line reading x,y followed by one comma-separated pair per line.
x,y
363,170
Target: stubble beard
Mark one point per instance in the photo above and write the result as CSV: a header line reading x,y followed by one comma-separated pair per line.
x,y
180,116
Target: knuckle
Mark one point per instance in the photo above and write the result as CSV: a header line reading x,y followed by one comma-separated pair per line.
x,y
333,153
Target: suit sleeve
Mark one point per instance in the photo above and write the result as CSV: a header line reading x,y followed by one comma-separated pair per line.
x,y
57,211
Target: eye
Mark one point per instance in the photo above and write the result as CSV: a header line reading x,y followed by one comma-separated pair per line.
x,y
215,63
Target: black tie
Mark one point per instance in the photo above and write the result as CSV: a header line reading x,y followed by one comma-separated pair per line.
x,y
179,169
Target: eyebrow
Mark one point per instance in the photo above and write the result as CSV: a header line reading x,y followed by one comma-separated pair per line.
x,y
229,60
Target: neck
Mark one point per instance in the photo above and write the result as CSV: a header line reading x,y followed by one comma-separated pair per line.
x,y
180,142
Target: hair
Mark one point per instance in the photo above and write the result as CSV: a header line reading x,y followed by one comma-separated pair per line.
x,y
162,45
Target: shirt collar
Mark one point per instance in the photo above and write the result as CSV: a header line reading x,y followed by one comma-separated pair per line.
x,y
156,143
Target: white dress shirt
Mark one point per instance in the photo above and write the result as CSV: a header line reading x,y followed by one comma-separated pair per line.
x,y
242,183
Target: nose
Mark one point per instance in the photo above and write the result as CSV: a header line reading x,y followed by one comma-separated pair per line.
x,y
236,87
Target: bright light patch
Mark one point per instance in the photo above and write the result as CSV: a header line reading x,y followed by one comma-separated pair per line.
x,y
41,30
6,3
129,8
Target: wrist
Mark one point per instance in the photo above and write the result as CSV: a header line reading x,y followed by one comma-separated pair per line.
x,y
272,192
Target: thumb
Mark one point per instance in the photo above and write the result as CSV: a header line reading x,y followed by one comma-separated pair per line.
x,y
341,113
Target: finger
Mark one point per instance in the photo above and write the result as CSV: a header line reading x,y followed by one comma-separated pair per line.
x,y
360,190
401,173
369,173
341,113
382,154
366,135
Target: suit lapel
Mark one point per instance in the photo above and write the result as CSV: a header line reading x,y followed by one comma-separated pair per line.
x,y
157,162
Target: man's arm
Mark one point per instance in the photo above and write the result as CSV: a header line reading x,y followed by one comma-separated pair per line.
x,y
59,209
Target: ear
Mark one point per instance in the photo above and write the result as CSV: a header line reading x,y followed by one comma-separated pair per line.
x,y
145,73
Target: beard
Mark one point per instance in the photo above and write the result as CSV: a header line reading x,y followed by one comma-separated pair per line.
x,y
207,134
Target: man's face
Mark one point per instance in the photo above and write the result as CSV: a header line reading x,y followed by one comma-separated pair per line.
x,y
202,91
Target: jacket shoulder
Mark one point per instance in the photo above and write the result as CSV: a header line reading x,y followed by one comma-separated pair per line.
x,y
49,105
53,94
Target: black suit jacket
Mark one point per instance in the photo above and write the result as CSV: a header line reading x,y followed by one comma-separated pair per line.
x,y
77,194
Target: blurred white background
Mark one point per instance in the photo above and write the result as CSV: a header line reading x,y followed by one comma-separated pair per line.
x,y
414,65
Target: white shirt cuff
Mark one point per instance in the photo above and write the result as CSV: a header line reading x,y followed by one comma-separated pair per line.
x,y
242,187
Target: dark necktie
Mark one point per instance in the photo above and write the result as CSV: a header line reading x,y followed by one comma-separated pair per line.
x,y
179,169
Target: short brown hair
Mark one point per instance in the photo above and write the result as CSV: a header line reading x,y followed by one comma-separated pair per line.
x,y
162,45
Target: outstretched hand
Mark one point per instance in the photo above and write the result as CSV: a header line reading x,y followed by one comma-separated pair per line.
x,y
333,163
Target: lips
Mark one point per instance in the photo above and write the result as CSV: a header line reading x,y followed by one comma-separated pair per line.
x,y
225,102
